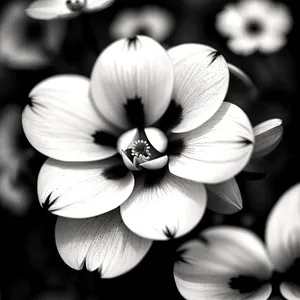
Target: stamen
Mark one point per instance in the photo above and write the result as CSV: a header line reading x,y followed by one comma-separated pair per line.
x,y
141,149
76,5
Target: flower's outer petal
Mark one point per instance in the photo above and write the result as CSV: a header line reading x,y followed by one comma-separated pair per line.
x,y
83,190
267,136
132,82
217,150
52,9
166,209
201,83
49,9
283,230
60,121
290,291
229,22
224,197
221,254
101,243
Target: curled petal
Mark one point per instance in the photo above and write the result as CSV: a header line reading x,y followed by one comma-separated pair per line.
x,y
165,207
101,243
267,136
132,82
52,9
155,164
290,291
217,150
223,263
62,123
201,83
157,139
224,197
283,230
82,190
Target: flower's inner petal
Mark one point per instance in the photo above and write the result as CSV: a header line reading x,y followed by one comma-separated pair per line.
x,y
290,291
201,83
283,228
101,243
83,190
217,150
132,82
164,206
61,121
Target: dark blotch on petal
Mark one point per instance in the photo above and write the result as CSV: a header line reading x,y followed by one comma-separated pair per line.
x,y
154,177
171,117
245,284
105,139
169,234
245,142
48,203
252,176
293,273
135,112
203,239
179,256
132,41
115,172
175,147
214,55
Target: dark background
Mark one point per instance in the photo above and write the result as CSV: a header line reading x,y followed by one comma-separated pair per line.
x,y
30,265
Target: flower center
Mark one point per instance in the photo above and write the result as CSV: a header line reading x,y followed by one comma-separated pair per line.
x,y
76,5
254,27
143,149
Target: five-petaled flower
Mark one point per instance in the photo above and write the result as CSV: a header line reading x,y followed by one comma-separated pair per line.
x,y
145,133
53,9
254,25
228,262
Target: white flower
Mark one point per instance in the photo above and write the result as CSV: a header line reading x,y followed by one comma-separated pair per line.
x,y
145,133
255,25
150,20
228,262
27,43
52,9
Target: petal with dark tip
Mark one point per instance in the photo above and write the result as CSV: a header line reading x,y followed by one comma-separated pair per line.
x,y
62,123
83,190
201,83
101,243
217,150
164,205
132,82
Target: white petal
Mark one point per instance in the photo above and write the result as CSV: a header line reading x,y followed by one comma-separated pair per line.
x,y
243,45
61,121
126,139
201,83
270,43
102,243
170,208
224,197
283,229
132,69
267,136
229,22
49,9
290,291
82,190
157,139
221,253
217,150
155,164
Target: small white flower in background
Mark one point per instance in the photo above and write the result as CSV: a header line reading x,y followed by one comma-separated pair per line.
x,y
27,43
152,21
52,9
228,262
255,25
145,133
14,195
